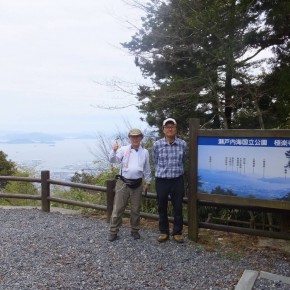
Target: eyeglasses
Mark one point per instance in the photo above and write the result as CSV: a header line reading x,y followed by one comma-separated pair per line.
x,y
169,127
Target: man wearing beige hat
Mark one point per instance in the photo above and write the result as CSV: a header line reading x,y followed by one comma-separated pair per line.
x,y
134,166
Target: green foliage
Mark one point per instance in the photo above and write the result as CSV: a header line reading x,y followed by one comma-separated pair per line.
x,y
87,196
7,168
102,178
88,178
76,194
149,205
20,187
240,217
83,177
200,57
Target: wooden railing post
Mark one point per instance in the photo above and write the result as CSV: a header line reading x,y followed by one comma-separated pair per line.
x,y
110,197
45,191
192,214
285,222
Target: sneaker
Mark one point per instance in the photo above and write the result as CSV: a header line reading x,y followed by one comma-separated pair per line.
x,y
112,237
135,235
163,238
178,238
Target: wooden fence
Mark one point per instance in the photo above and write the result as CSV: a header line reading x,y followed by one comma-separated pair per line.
x,y
192,217
45,197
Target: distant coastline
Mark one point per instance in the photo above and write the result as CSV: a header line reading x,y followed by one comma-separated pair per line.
x,y
39,138
62,156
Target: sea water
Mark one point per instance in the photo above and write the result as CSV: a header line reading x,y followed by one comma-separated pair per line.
x,y
62,158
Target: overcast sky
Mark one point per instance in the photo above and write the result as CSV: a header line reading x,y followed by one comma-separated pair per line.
x,y
56,57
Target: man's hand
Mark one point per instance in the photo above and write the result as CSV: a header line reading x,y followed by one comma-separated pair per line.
x,y
146,188
116,146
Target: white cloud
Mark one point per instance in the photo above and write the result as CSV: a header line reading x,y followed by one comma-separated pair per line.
x,y
54,53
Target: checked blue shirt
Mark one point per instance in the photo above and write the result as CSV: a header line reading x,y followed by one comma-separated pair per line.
x,y
169,158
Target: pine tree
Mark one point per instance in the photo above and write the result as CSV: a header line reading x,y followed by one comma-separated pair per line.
x,y
200,57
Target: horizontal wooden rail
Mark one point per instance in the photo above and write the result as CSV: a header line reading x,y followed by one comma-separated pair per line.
x,y
153,196
19,195
78,203
18,178
77,185
240,230
242,202
153,216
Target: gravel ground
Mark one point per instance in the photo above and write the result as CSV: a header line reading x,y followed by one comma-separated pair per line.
x,y
54,251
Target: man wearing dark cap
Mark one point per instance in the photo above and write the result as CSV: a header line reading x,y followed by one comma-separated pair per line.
x,y
169,155
134,165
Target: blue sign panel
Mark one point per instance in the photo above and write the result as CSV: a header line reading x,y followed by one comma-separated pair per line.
x,y
245,166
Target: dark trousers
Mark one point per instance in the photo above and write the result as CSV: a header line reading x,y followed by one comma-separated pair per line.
x,y
175,188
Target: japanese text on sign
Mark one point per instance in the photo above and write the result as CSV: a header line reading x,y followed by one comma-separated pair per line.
x,y
252,142
242,142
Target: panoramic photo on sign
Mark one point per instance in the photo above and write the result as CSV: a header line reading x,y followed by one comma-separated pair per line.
x,y
245,167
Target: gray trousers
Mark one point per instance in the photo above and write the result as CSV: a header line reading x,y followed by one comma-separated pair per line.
x,y
122,195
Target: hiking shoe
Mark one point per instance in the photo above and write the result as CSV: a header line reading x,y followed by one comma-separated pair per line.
x,y
135,235
178,239
112,237
163,238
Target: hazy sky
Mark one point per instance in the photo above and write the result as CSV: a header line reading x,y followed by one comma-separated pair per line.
x,y
56,57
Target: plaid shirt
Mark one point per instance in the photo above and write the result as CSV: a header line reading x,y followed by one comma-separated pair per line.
x,y
169,158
